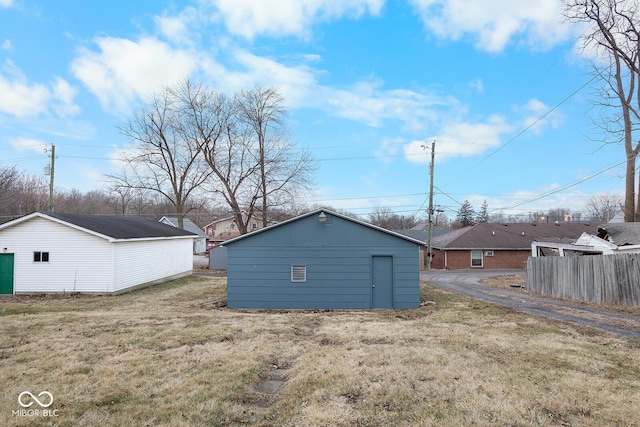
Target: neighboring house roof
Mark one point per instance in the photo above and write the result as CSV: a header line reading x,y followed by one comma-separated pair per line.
x,y
112,227
510,236
625,233
423,235
325,211
228,218
187,224
617,218
233,219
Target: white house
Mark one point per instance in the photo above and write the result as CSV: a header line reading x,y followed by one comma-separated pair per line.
x,y
58,252
199,241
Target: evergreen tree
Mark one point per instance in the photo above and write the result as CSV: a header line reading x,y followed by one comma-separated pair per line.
x,y
483,215
466,214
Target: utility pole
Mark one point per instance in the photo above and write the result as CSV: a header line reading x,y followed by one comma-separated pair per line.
x,y
49,171
429,249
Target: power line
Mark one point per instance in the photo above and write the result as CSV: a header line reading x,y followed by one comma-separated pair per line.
x,y
538,120
564,187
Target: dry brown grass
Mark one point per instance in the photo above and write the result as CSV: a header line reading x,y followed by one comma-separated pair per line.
x,y
167,356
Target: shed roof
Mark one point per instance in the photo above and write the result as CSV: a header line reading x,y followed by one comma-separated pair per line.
x,y
510,236
326,212
187,223
116,227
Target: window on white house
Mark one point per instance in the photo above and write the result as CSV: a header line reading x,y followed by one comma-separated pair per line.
x,y
298,273
41,257
476,258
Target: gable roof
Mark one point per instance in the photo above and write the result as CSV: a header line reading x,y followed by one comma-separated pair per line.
x,y
233,219
326,212
187,223
112,227
510,236
624,233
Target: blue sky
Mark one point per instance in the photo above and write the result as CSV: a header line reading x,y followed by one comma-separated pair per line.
x,y
497,85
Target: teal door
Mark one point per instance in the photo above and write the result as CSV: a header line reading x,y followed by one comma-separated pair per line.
x,y
6,273
382,282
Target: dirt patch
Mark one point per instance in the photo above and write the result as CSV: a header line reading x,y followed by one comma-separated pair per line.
x,y
270,384
47,297
507,281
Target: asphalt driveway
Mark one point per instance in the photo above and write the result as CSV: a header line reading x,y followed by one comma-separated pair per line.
x,y
468,282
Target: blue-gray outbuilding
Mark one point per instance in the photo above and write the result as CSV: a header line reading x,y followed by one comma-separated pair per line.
x,y
323,260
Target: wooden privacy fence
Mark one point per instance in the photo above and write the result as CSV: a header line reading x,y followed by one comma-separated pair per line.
x,y
604,279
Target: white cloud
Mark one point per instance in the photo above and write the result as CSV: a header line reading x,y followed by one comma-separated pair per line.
x,y
123,70
6,3
388,149
6,45
249,18
64,94
538,115
494,24
180,28
28,144
367,102
23,99
460,139
296,83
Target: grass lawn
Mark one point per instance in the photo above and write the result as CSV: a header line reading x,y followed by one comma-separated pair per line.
x,y
168,356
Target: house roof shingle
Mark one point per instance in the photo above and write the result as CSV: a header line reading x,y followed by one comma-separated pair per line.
x,y
510,236
624,233
118,226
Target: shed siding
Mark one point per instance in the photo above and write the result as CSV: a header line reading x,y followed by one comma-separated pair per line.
x,y
78,262
140,262
338,257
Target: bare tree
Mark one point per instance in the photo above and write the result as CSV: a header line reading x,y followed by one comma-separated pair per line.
x,y
253,163
613,33
281,171
164,158
603,207
385,217
9,177
227,151
122,197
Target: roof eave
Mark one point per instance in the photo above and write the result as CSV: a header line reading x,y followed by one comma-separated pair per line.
x,y
317,212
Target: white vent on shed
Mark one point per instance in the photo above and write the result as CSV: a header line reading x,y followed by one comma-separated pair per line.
x,y
488,253
298,273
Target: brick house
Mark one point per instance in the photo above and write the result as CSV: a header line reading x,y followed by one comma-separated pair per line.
x,y
498,245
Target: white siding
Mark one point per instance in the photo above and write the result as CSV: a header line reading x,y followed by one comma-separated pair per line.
x,y
139,262
199,245
78,262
